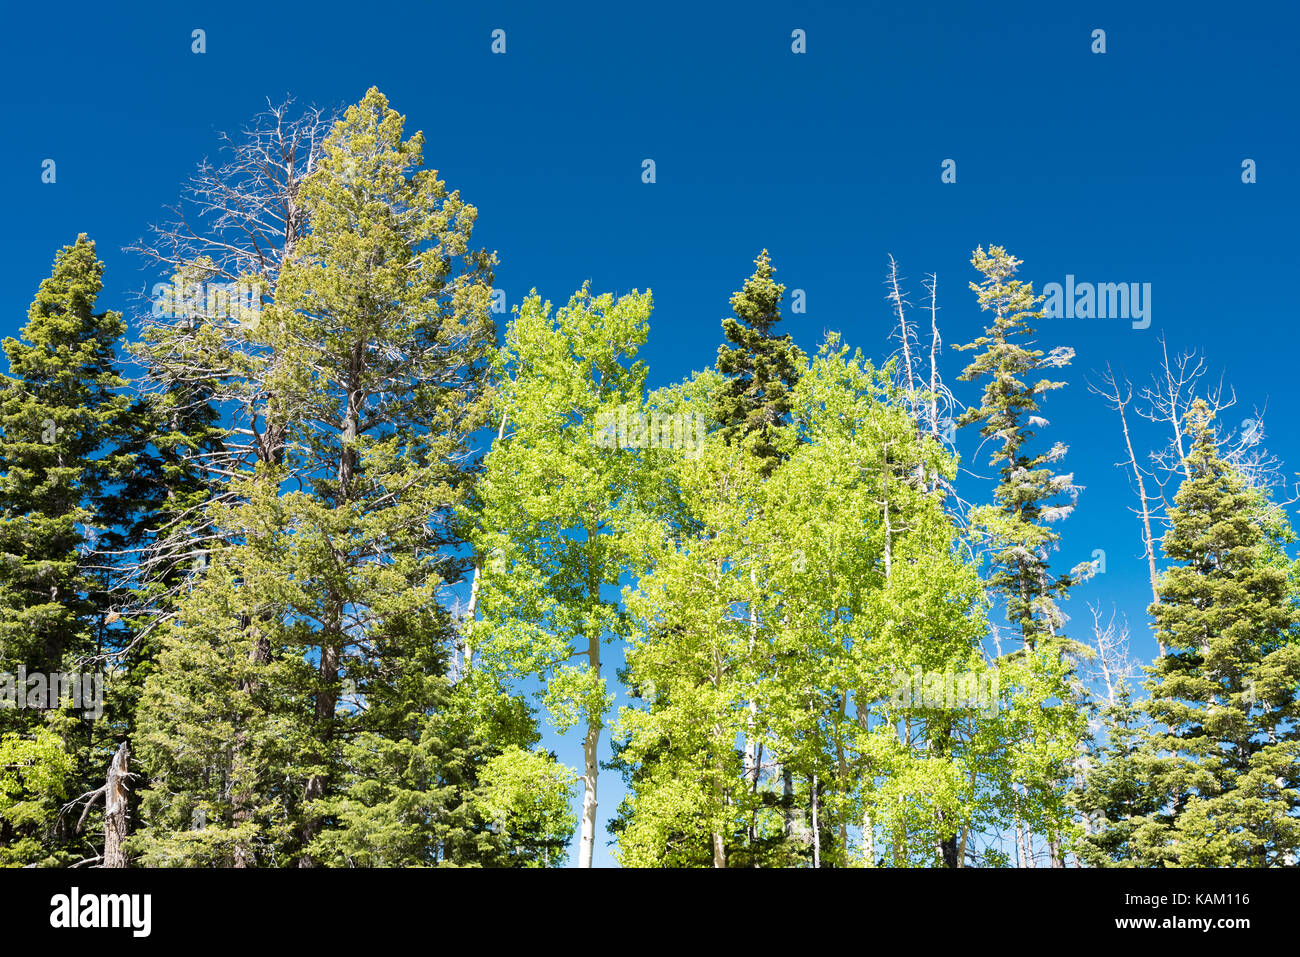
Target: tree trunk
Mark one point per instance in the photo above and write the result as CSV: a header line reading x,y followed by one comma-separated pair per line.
x,y
1022,845
326,704
816,824
948,849
587,847
116,808
787,799
590,766
751,720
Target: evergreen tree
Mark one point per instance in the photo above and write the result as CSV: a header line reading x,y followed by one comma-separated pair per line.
x,y
62,411
1224,758
1114,797
1016,528
761,367
319,636
752,407
1028,490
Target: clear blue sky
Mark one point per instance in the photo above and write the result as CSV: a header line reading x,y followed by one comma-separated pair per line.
x,y
1122,167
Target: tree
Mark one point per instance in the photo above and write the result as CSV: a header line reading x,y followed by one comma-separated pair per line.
x,y
761,366
1028,490
692,659
867,583
324,603
753,405
1027,498
60,410
1223,760
62,415
553,504
1114,797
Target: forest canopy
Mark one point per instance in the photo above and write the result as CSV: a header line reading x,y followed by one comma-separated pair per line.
x,y
299,566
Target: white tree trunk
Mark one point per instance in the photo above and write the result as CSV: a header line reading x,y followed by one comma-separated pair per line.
x,y
590,767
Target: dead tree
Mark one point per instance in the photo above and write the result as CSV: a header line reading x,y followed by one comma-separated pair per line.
x,y
905,333
115,795
1118,397
1169,398
238,219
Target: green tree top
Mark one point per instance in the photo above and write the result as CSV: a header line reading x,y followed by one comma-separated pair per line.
x,y
762,367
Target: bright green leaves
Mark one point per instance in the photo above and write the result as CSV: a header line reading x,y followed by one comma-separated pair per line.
x,y
553,508
780,608
526,793
36,775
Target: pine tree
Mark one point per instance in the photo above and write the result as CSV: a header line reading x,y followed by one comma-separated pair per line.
x,y
761,367
752,408
1016,528
1224,759
62,411
1028,489
319,635
1114,797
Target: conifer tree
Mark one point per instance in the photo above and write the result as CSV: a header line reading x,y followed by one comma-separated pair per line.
x,y
1114,797
752,408
761,367
326,603
1224,757
62,410
1028,490
1016,528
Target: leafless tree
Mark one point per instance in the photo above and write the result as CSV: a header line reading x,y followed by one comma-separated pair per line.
x,y
113,794
1169,397
237,220
241,215
1113,665
906,335
929,399
1119,396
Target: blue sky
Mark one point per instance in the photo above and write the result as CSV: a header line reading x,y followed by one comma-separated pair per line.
x,y
1119,167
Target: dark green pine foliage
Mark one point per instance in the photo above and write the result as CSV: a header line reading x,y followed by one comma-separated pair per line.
x,y
160,536
62,409
1114,798
1224,760
412,786
761,367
